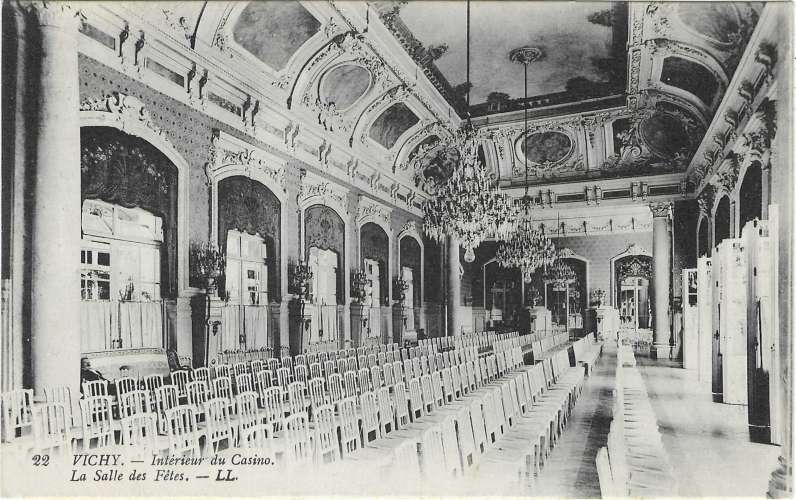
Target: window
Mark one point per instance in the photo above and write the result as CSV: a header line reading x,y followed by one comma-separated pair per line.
x,y
373,297
120,254
408,276
323,264
246,274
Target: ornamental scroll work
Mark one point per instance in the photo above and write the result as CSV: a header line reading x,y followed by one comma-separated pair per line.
x,y
635,267
367,209
223,153
125,109
323,193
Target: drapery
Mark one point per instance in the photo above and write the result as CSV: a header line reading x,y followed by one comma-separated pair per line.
x,y
324,317
137,324
252,321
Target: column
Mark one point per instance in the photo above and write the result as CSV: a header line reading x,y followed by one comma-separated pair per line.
x,y
661,277
765,184
55,221
14,177
454,289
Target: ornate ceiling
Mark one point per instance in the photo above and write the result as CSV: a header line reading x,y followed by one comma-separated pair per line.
x,y
622,89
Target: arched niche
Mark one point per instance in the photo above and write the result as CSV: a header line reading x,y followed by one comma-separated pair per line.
x,y
703,237
127,170
579,291
750,195
633,290
374,244
325,229
246,205
721,221
411,256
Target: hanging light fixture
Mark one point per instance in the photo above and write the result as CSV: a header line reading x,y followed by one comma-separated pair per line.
x,y
468,205
560,274
527,248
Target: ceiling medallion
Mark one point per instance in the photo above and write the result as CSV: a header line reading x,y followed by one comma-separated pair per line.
x,y
526,55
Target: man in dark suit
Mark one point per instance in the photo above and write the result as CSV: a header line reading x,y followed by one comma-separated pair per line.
x,y
88,374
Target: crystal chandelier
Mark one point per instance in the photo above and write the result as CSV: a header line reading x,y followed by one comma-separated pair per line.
x,y
467,205
560,274
527,248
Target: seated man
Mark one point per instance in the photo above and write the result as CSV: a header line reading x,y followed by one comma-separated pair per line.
x,y
88,374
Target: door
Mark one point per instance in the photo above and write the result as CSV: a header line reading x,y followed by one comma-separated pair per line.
x,y
758,353
716,375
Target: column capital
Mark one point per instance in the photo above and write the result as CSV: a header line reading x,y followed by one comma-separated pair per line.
x,y
660,209
54,14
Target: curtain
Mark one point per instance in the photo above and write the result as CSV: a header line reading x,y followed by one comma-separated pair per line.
x,y
255,324
138,324
96,325
141,324
230,328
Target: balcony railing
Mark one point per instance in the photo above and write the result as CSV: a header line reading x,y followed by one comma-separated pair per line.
x,y
113,324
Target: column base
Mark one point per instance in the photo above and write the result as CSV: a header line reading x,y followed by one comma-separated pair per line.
x,y
779,485
660,351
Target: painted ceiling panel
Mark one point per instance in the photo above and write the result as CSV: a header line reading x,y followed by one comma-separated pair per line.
x,y
344,85
719,22
546,147
691,77
392,123
273,30
583,45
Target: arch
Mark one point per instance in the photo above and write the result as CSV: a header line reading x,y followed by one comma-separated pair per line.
x,y
632,250
324,228
750,195
410,230
410,251
248,205
721,220
566,253
703,237
374,242
129,115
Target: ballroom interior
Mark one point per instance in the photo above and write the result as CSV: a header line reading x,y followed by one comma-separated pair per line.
x,y
432,248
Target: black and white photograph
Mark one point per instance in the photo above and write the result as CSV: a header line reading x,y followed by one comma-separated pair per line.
x,y
415,248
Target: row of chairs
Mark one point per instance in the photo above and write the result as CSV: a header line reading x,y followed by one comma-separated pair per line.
x,y
635,462
238,356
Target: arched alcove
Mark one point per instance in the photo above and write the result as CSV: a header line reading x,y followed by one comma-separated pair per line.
x,y
127,171
247,206
750,199
703,238
721,220
324,229
375,245
411,257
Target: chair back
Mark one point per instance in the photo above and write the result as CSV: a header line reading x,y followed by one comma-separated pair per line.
x,y
222,388
350,440
182,432
400,405
133,402
370,417
52,428
326,447
139,432
317,394
298,449
97,419
180,379
165,399
295,397
248,414
60,394
386,412
219,424
95,388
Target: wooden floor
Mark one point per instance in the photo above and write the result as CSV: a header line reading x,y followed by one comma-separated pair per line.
x,y
707,442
